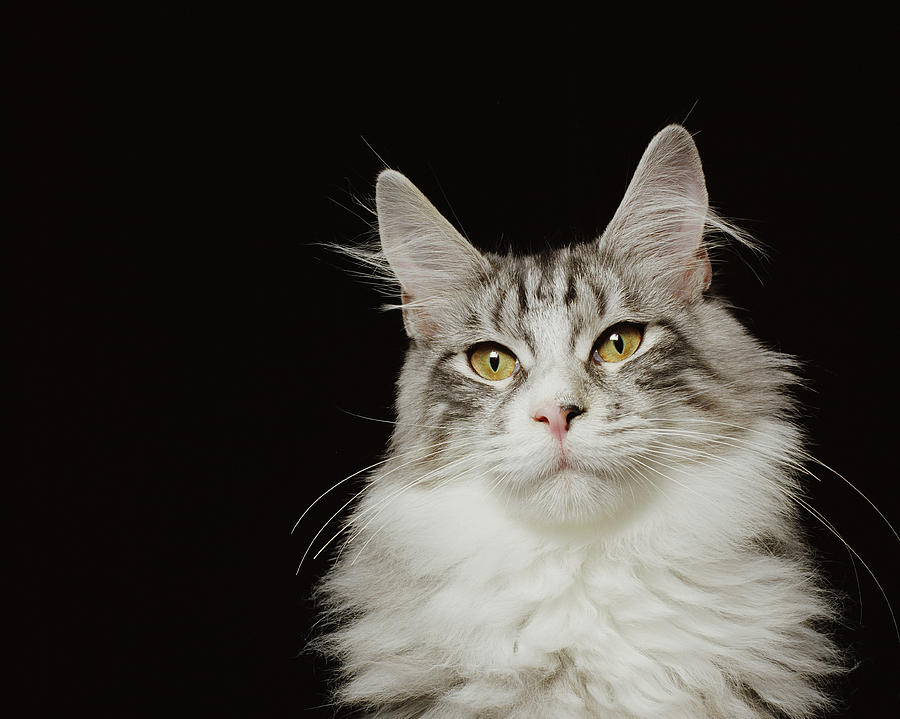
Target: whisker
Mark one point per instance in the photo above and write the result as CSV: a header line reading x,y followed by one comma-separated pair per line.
x,y
837,534
375,533
665,476
801,502
800,452
395,455
335,486
397,423
346,504
377,507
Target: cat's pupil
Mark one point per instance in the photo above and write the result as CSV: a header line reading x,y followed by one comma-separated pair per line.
x,y
494,361
618,343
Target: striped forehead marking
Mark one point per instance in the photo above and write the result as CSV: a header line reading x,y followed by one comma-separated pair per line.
x,y
522,289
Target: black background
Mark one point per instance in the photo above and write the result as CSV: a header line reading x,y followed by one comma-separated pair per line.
x,y
194,360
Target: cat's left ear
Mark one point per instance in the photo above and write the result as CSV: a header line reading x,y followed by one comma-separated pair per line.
x,y
660,222
429,257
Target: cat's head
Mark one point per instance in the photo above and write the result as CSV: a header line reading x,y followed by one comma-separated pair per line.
x,y
574,380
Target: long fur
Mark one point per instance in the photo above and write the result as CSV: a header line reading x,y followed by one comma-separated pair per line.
x,y
662,572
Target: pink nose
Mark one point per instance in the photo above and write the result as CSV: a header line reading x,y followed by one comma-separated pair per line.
x,y
557,417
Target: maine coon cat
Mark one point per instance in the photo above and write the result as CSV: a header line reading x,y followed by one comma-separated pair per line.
x,y
588,506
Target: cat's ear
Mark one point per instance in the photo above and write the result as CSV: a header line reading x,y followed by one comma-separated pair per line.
x,y
660,221
428,256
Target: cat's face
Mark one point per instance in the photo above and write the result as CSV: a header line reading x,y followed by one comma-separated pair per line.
x,y
605,383
572,382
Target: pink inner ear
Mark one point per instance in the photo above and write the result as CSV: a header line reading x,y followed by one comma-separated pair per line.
x,y
706,276
696,277
416,319
690,251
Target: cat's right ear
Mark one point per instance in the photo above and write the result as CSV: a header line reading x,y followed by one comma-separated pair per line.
x,y
428,256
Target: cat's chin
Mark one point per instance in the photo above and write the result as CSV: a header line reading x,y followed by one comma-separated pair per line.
x,y
569,495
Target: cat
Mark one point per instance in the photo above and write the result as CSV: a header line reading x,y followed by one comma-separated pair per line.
x,y
588,507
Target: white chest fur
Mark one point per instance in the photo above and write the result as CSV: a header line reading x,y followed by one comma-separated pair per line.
x,y
470,612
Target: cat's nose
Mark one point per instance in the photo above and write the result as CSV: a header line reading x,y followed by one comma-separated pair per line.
x,y
558,417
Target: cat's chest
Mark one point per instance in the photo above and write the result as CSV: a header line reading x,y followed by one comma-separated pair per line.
x,y
503,595
597,613
472,606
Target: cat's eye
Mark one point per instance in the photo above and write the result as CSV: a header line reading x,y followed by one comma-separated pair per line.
x,y
618,343
493,361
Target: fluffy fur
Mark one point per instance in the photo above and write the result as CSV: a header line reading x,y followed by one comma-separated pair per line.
x,y
649,567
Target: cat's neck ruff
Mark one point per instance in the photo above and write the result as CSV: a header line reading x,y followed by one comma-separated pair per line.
x,y
642,617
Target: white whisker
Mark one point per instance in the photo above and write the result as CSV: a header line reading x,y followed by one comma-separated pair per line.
x,y
378,506
417,456
802,454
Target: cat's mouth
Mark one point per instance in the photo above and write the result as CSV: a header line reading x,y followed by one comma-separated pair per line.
x,y
561,464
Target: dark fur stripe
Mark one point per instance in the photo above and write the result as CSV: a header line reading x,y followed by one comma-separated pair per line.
x,y
571,292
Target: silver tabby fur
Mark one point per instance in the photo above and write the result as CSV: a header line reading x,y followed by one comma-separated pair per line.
x,y
658,572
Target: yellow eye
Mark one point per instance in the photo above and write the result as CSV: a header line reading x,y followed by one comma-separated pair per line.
x,y
619,342
492,361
